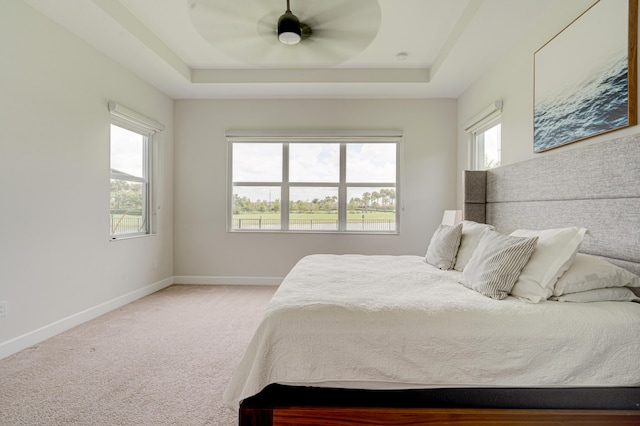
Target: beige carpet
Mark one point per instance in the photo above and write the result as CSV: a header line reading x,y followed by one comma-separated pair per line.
x,y
162,360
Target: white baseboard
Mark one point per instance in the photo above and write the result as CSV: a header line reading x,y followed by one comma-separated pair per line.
x,y
190,279
17,344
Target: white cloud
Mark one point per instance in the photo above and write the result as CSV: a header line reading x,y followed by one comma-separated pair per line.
x,y
127,151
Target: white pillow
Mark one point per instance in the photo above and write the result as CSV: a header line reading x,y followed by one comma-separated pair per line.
x,y
553,255
472,233
444,246
496,264
590,273
614,294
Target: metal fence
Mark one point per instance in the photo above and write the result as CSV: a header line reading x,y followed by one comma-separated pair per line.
x,y
126,225
371,225
314,224
256,223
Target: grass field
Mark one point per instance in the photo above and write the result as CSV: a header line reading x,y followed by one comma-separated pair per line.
x,y
356,221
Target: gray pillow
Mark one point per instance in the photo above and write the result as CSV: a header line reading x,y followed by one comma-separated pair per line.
x,y
496,263
444,246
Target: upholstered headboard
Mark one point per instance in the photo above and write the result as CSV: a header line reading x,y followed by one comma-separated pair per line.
x,y
595,187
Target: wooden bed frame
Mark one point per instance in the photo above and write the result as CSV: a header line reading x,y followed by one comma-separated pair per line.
x,y
595,187
472,406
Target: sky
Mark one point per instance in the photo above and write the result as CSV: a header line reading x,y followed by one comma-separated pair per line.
x,y
312,162
127,151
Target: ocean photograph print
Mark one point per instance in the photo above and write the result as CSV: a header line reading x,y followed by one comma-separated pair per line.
x,y
585,77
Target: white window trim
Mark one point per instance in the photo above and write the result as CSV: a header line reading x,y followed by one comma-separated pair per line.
x,y
314,136
133,117
147,127
309,136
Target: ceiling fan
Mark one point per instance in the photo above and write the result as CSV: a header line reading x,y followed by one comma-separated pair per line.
x,y
310,33
290,30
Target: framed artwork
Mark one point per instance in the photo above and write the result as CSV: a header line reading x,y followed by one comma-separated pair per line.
x,y
585,77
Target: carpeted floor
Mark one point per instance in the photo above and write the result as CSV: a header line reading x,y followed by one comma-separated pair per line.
x,y
162,360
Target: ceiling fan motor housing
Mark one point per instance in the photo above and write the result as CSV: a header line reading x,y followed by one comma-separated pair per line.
x,y
289,29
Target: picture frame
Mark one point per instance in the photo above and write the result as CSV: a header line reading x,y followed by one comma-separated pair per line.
x,y
585,76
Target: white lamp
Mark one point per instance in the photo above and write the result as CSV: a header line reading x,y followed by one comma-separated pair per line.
x,y
452,217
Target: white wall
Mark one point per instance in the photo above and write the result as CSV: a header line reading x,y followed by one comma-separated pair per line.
x,y
511,79
202,246
58,266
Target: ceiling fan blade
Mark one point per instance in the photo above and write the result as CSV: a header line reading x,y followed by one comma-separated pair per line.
x,y
344,13
342,37
323,51
246,30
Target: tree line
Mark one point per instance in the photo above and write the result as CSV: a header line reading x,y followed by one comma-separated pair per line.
x,y
382,200
126,197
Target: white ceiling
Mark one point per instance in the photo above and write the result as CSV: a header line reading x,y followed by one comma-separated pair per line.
x,y
448,45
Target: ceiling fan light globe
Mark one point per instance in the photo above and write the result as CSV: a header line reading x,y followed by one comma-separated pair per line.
x,y
289,31
289,38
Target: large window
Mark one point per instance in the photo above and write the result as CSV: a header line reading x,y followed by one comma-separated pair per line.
x,y
485,138
131,155
320,184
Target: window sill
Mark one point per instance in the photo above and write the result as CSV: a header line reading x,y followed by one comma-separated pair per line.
x,y
130,237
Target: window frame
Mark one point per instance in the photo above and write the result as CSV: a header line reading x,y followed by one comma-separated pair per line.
x,y
288,138
478,145
147,129
488,118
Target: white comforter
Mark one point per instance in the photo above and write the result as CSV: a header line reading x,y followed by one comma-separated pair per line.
x,y
395,322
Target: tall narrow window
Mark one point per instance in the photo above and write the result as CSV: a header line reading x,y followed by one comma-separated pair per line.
x,y
487,146
319,183
130,205
485,138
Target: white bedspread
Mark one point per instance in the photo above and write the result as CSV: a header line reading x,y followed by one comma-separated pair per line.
x,y
395,322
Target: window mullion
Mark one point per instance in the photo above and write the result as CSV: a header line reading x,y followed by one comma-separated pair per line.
x,y
284,190
342,189
146,194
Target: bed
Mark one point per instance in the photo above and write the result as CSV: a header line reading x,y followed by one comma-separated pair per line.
x,y
391,340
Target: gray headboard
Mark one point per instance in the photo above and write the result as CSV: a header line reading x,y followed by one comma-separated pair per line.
x,y
595,187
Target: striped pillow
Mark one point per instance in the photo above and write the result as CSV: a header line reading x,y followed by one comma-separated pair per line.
x,y
495,265
444,246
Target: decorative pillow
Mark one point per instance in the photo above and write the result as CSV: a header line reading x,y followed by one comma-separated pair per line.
x,y
590,272
553,255
496,264
614,294
472,233
444,246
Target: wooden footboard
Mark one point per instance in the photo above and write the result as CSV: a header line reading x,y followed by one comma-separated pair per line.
x,y
285,405
342,416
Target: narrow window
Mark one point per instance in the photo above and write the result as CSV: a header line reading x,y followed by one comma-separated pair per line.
x,y
131,173
485,138
487,147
